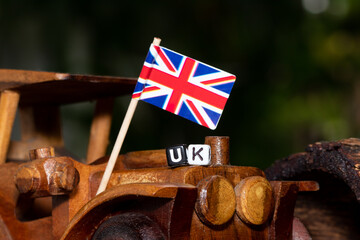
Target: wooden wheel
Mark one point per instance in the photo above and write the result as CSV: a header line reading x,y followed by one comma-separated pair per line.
x,y
128,226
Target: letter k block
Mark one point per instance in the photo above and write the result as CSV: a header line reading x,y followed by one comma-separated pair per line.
x,y
199,154
177,155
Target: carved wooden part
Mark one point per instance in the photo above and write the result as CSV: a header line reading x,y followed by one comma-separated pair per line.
x,y
8,105
219,149
47,177
216,200
254,200
38,153
100,129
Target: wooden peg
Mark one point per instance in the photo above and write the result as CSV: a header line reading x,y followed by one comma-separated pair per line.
x,y
39,153
219,149
216,200
254,200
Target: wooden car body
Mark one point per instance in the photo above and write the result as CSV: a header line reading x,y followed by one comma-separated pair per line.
x,y
53,196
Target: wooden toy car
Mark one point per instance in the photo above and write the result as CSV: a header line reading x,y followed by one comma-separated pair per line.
x,y
54,196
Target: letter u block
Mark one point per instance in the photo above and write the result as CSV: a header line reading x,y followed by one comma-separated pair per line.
x,y
177,155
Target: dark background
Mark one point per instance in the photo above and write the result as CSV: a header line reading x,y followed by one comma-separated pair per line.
x,y
296,62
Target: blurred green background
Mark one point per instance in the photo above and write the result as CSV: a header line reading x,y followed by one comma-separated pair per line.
x,y
297,66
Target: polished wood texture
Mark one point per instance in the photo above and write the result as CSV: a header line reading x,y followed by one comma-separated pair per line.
x,y
254,200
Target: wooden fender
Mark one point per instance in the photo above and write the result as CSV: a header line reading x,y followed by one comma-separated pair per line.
x,y
169,206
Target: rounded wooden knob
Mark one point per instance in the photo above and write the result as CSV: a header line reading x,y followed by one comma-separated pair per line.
x,y
25,179
216,200
254,200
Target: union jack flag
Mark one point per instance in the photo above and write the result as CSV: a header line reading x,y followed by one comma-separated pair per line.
x,y
184,86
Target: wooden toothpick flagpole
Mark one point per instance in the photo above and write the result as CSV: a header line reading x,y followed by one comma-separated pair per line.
x,y
120,138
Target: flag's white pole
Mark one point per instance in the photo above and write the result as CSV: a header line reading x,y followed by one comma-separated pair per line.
x,y
120,139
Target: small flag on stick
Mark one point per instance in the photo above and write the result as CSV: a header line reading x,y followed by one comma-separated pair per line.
x,y
178,84
184,86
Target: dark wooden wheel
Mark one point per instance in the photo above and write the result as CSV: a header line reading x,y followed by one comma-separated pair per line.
x,y
128,226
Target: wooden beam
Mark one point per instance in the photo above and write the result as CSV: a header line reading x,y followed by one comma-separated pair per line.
x,y
8,105
100,129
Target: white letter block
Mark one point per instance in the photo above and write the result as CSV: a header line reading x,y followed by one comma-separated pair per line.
x,y
198,154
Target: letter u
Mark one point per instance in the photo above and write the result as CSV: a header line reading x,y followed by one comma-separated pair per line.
x,y
178,154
